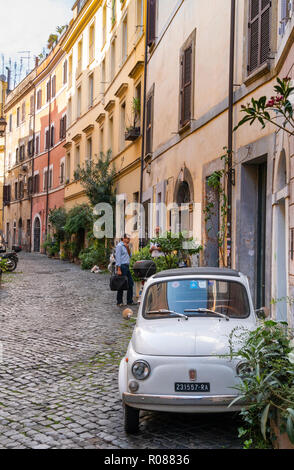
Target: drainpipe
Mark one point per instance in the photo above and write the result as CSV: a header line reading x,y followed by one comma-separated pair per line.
x,y
141,240
49,143
33,168
230,133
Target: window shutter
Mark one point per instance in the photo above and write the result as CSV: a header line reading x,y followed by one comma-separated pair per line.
x,y
186,88
47,140
152,22
5,195
259,33
149,125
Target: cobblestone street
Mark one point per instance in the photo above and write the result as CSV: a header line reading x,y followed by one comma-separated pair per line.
x,y
63,337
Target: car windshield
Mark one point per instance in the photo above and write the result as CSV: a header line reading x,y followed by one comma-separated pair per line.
x,y
196,297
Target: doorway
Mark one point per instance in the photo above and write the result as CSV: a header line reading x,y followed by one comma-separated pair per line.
x,y
37,235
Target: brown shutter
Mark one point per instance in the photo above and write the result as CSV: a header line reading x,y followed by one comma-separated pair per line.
x,y
151,22
186,88
149,126
47,140
259,33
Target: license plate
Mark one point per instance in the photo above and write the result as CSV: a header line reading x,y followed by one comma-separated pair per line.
x,y
192,387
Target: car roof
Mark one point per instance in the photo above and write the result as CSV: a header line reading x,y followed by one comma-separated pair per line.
x,y
197,272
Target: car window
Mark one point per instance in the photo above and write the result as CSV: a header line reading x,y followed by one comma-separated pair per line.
x,y
181,295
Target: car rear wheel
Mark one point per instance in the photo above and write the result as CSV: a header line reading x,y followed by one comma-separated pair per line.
x,y
131,419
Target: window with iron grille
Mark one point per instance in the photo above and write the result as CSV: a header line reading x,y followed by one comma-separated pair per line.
x,y
259,25
187,54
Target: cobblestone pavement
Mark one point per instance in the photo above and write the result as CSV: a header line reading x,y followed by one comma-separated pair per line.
x,y
62,337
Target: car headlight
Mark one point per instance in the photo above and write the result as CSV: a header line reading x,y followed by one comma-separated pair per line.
x,y
141,370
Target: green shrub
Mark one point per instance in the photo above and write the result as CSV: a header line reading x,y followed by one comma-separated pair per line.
x,y
96,255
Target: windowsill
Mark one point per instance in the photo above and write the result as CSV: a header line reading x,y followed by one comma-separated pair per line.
x,y
257,73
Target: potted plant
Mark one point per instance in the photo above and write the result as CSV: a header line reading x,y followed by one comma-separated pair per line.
x,y
133,132
266,372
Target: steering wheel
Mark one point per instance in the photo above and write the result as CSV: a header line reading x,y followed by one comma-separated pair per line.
x,y
228,307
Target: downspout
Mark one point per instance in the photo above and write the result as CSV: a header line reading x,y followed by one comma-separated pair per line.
x,y
49,144
141,240
230,133
33,168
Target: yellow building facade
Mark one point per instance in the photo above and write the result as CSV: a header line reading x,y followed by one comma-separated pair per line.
x,y
105,52
3,88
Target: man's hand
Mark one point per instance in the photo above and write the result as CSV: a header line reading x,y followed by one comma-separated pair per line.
x,y
119,271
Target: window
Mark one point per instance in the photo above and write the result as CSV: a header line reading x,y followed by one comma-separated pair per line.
x,y
45,180
77,157
122,125
23,112
32,105
193,297
37,144
103,76
28,227
30,185
18,117
46,139
286,6
113,12
70,72
67,167
50,178
80,57
10,123
89,149
69,111
52,136
48,91
6,195
53,86
21,190
62,172
16,155
64,72
104,20
31,148
138,105
101,140
125,39
91,90
112,59
111,134
259,33
91,43
39,99
62,128
21,153
36,183
151,33
140,20
79,101
186,80
149,122
15,191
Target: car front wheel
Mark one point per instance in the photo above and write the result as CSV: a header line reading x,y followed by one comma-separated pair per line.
x,y
131,419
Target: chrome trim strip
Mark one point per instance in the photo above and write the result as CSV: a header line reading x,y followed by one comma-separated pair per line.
x,y
178,399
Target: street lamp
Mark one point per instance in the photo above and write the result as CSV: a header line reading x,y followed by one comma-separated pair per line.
x,y
3,125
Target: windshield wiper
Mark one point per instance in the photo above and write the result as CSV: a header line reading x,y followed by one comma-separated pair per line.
x,y
162,310
207,311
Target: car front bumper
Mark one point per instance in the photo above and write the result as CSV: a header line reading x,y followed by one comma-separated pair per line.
x,y
182,404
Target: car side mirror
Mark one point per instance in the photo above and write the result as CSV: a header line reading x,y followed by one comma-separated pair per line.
x,y
127,313
262,313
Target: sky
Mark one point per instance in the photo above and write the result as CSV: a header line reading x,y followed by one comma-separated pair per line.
x,y
26,26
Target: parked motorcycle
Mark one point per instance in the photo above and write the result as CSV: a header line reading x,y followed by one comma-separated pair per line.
x,y
10,257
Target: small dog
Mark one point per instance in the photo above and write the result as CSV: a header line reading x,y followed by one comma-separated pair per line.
x,y
127,313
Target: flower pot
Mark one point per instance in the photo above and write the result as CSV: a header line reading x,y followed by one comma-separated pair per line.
x,y
132,133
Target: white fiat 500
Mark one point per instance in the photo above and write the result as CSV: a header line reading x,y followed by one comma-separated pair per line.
x,y
175,360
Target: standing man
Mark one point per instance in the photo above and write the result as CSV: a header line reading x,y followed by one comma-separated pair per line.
x,y
122,257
